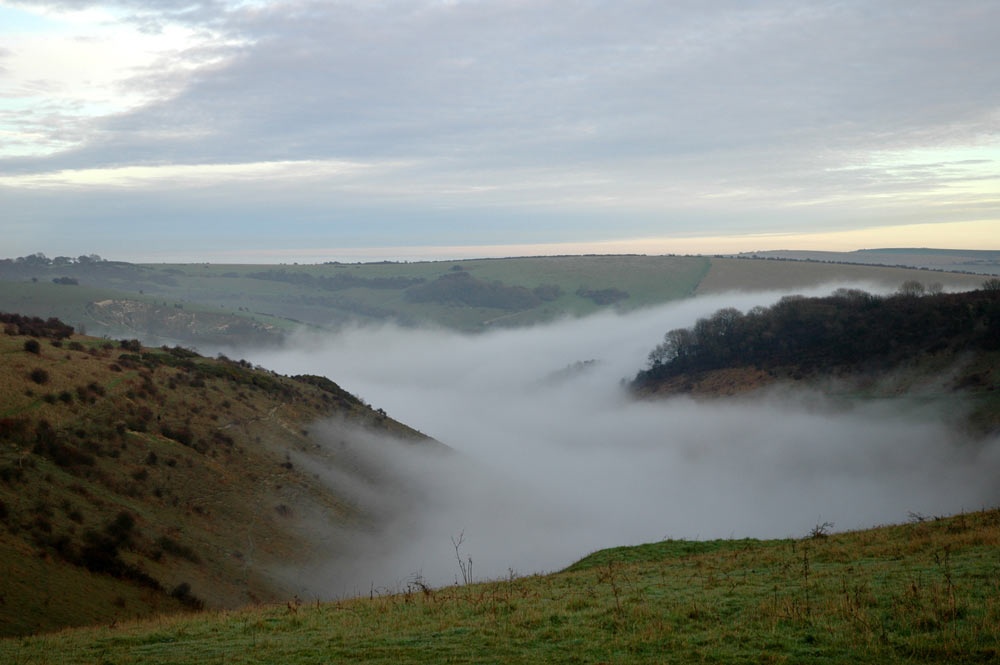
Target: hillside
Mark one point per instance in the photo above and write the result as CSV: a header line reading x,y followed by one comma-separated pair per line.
x,y
749,273
934,346
136,481
218,305
986,262
924,592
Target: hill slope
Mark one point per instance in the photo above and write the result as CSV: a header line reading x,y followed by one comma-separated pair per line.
x,y
229,305
852,342
986,262
137,481
923,592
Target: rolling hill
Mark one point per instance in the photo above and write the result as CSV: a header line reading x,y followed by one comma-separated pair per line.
x,y
220,305
137,481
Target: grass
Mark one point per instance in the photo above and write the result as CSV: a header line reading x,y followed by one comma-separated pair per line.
x,y
757,275
192,303
647,279
928,591
45,299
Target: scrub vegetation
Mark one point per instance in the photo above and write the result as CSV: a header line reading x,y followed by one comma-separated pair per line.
x,y
136,481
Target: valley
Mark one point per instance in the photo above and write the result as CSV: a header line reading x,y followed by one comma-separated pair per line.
x,y
144,481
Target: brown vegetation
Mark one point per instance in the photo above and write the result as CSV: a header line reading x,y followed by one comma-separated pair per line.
x,y
154,470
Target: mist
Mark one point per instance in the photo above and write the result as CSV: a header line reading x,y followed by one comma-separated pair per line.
x,y
554,460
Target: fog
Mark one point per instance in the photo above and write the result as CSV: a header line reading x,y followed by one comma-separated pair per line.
x,y
553,463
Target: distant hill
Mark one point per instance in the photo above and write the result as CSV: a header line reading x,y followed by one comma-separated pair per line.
x,y
220,305
985,262
136,481
938,345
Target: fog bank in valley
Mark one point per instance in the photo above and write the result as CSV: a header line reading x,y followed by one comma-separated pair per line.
x,y
554,463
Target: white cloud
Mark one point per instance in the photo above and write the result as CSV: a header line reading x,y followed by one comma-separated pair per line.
x,y
549,470
69,67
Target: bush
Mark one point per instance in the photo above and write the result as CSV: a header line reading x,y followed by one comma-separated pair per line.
x,y
182,592
39,375
32,346
171,546
11,474
13,428
133,345
182,435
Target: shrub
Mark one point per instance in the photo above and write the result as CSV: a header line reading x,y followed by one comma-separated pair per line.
x,y
11,474
39,376
182,592
182,435
133,345
32,346
13,428
171,546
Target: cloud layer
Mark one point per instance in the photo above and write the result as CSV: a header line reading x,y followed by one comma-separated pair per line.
x,y
496,122
554,464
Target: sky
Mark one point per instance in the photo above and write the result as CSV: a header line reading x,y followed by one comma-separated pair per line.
x,y
307,130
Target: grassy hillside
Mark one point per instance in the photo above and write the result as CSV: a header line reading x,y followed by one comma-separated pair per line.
x,y
750,274
924,592
223,304
271,299
136,481
986,262
335,293
240,304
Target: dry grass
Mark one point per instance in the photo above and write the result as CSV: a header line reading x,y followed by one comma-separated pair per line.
x,y
196,454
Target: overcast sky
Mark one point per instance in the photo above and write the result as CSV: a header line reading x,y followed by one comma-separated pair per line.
x,y
298,130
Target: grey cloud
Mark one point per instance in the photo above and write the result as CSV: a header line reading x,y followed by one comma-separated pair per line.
x,y
548,83
641,111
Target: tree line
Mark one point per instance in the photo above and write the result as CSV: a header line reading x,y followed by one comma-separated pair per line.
x,y
848,329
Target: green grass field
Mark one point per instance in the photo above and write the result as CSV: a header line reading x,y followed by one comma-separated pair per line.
x,y
927,591
229,295
728,274
646,279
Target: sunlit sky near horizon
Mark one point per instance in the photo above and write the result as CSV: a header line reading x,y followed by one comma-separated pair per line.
x,y
307,130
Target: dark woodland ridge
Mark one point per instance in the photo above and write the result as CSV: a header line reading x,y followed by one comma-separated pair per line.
x,y
848,331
